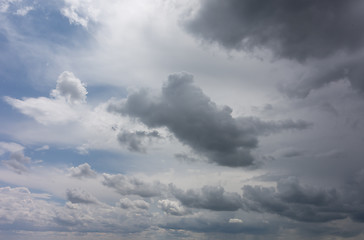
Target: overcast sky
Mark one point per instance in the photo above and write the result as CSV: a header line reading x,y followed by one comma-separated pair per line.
x,y
181,119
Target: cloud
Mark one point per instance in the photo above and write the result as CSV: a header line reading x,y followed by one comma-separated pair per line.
x,y
24,11
132,186
209,197
66,119
5,4
126,203
20,209
292,200
82,171
172,207
80,12
70,87
135,140
63,105
19,205
17,160
10,147
199,123
80,196
301,31
218,225
235,220
42,148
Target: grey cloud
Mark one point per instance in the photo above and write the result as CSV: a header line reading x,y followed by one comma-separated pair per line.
x,y
126,203
17,162
300,30
199,123
209,197
291,29
80,196
135,140
292,200
132,186
184,157
288,153
82,171
172,207
213,225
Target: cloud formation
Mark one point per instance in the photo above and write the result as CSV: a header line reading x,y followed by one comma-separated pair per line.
x,y
16,161
209,197
126,203
82,171
70,87
132,186
80,196
172,207
300,30
60,108
199,123
136,140
306,203
295,30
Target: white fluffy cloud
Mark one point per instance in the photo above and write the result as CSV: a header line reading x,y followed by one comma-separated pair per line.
x,y
82,171
70,87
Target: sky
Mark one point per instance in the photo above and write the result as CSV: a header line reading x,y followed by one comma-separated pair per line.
x,y
181,119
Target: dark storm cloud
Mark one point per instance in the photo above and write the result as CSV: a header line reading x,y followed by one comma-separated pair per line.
x,y
199,123
291,29
306,203
132,186
298,30
134,140
209,197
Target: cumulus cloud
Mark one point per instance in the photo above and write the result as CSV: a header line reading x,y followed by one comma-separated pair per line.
x,y
132,186
59,108
82,171
19,205
172,207
199,123
70,87
24,210
80,196
208,197
302,31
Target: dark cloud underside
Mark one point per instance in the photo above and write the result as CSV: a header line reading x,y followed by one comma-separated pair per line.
x,y
299,30
199,123
291,29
